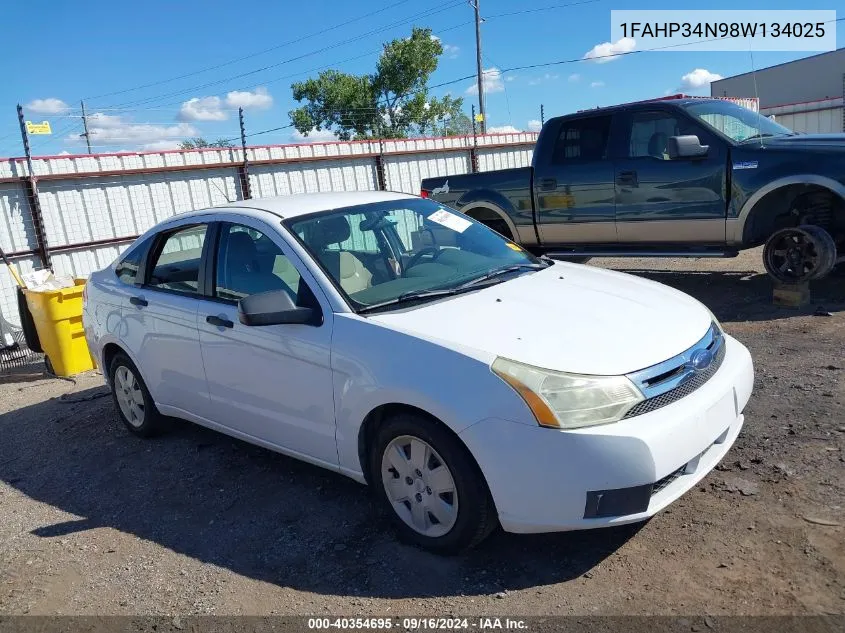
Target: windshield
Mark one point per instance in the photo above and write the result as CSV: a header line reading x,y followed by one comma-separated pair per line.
x,y
387,251
735,121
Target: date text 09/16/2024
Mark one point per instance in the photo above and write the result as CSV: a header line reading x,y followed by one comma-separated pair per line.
x,y
417,623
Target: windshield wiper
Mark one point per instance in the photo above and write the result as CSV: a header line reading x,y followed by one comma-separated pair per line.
x,y
503,271
413,295
756,136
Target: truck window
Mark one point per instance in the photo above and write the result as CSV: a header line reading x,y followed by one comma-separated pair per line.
x,y
582,139
650,132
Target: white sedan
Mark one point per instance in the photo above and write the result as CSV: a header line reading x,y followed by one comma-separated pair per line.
x,y
405,345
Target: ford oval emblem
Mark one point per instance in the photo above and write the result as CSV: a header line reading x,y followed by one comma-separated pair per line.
x,y
701,359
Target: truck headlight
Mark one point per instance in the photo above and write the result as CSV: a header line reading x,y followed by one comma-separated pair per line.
x,y
569,401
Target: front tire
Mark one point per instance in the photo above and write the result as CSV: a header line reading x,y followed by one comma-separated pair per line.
x,y
799,254
132,399
430,486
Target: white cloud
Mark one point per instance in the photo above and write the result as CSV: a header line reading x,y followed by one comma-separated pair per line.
x,y
160,146
510,77
698,79
608,51
597,84
260,99
574,77
492,80
542,78
50,105
502,129
202,109
534,125
64,152
451,51
314,136
106,129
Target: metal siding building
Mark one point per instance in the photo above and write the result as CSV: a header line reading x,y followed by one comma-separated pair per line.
x,y
805,95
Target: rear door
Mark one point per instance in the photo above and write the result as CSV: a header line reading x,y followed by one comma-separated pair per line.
x,y
159,320
573,188
659,200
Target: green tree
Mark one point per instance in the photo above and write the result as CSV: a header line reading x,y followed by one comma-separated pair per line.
x,y
200,143
392,102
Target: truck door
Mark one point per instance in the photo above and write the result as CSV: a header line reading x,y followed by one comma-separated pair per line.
x,y
573,190
659,200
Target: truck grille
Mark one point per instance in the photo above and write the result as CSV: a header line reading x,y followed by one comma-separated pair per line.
x,y
670,381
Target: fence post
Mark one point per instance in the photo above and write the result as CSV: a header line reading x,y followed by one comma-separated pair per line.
x,y
473,154
31,185
381,180
542,115
244,168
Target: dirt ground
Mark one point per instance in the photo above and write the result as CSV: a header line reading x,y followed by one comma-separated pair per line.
x,y
95,521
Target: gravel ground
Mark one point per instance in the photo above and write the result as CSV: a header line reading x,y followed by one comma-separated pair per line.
x,y
95,521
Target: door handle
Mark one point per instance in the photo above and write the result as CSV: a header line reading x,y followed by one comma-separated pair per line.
x,y
548,184
627,178
218,321
138,301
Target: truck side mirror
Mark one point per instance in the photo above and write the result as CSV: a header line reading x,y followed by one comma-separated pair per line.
x,y
687,146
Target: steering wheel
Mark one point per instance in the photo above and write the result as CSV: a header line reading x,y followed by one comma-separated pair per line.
x,y
416,258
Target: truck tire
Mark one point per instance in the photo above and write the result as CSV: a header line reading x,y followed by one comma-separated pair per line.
x,y
799,254
30,334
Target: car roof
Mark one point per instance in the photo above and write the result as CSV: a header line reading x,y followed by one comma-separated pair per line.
x,y
303,203
639,105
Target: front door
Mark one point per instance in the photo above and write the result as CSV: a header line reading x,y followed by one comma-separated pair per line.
x,y
272,383
659,200
574,195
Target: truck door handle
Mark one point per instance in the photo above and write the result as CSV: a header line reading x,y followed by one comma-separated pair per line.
x,y
548,184
627,178
138,301
218,321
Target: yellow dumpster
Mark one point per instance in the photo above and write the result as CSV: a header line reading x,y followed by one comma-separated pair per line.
x,y
58,320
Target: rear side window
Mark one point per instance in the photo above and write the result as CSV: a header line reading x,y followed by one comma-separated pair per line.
x,y
176,266
583,139
127,268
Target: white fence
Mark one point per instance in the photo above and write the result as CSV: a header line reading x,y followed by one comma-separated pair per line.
x,y
92,207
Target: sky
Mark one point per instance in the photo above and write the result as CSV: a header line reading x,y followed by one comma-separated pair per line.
x,y
152,73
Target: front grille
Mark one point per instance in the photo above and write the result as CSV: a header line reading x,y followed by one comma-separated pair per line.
x,y
668,479
681,391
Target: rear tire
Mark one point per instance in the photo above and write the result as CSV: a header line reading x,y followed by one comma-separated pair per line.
x,y
132,399
430,486
799,254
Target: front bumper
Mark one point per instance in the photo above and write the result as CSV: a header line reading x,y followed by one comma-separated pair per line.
x,y
544,480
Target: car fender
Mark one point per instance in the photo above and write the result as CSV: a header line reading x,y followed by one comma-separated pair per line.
x,y
374,364
736,227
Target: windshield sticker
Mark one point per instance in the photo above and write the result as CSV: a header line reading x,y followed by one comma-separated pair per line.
x,y
746,164
450,220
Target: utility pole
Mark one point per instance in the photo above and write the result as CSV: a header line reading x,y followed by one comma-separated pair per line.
x,y
473,154
542,115
245,186
474,4
31,185
85,125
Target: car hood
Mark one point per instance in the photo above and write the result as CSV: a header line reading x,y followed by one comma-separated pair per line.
x,y
568,317
802,141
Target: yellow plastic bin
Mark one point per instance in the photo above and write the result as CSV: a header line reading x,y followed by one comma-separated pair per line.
x,y
58,320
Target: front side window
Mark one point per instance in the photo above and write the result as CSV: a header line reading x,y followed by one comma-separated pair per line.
x,y
379,252
176,266
735,121
583,139
650,132
249,262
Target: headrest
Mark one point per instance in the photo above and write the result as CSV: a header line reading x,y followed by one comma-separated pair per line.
x,y
331,230
657,144
241,250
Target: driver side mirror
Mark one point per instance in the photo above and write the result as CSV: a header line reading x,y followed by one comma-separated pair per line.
x,y
685,147
276,308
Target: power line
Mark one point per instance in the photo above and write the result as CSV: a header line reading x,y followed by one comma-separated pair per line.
x,y
554,6
251,55
439,9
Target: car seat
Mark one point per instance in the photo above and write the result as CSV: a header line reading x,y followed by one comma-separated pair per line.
x,y
347,269
242,273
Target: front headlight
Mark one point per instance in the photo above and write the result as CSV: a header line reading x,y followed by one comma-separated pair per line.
x,y
569,401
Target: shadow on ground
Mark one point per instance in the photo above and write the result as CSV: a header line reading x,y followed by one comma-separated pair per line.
x,y
746,295
258,513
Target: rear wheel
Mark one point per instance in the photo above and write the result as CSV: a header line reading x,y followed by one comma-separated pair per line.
x,y
430,485
132,398
799,254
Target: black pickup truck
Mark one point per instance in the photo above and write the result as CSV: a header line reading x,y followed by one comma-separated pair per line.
x,y
688,177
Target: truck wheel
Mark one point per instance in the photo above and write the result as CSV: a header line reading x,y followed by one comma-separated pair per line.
x,y
799,254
